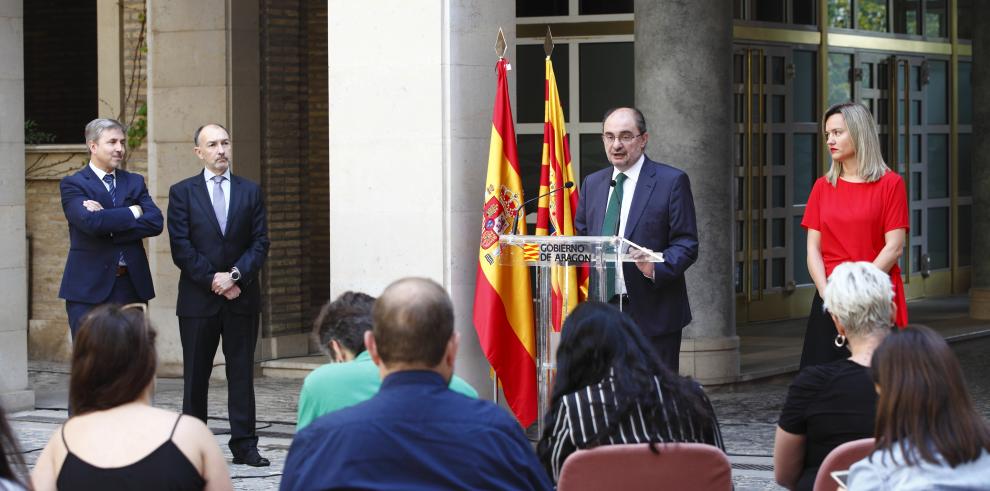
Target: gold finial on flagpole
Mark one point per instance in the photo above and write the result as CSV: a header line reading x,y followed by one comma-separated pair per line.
x,y
548,43
500,44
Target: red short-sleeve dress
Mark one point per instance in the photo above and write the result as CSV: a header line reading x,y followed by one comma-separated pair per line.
x,y
853,218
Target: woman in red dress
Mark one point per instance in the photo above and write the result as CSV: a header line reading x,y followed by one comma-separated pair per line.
x,y
857,211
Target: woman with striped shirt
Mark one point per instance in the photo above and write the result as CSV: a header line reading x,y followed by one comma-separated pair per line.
x,y
612,389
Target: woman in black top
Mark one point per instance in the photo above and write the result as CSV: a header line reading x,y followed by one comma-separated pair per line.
x,y
834,403
611,388
115,438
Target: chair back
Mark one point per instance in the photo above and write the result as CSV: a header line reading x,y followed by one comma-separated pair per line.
x,y
839,459
634,467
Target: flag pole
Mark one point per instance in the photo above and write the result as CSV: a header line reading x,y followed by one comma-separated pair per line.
x,y
500,47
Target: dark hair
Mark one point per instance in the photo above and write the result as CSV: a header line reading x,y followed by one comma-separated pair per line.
x,y
637,115
344,320
200,129
413,321
12,466
113,359
923,405
598,341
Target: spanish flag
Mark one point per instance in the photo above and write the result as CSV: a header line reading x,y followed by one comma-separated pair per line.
x,y
503,305
555,214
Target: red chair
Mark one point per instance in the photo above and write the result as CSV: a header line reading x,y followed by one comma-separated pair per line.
x,y
633,467
842,458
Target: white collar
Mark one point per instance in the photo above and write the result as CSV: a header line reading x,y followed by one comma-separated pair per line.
x,y
633,172
208,175
99,172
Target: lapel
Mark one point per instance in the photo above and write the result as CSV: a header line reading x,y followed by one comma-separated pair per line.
x,y
641,196
202,195
598,200
235,201
96,187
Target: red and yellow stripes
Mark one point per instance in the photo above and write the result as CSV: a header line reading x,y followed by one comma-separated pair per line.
x,y
503,308
555,215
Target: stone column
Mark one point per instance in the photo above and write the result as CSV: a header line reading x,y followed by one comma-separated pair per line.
x,y
979,294
202,68
15,395
683,53
411,92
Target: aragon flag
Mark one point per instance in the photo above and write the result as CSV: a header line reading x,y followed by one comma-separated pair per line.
x,y
555,214
503,305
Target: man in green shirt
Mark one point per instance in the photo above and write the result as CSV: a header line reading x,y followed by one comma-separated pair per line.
x,y
351,377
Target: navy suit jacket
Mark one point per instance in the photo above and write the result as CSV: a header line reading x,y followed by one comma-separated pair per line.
x,y
661,218
96,239
200,250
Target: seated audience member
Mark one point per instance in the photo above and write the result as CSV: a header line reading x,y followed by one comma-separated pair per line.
x,y
611,388
834,403
352,377
115,438
415,433
929,435
12,470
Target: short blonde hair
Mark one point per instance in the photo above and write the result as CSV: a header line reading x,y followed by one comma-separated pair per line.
x,y
863,130
861,296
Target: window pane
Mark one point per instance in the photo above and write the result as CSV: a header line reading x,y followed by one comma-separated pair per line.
x,y
965,165
839,86
871,15
915,186
593,155
737,9
531,66
593,7
779,185
916,223
800,253
804,12
965,24
937,92
936,22
965,92
768,10
906,16
776,70
530,150
839,13
777,278
938,237
777,149
915,258
965,235
805,165
938,166
540,8
916,112
867,69
606,78
778,232
915,149
804,86
778,109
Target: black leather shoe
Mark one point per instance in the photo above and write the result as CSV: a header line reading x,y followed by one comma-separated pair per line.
x,y
252,458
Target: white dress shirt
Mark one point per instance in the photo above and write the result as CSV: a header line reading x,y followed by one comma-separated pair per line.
x,y
135,209
628,189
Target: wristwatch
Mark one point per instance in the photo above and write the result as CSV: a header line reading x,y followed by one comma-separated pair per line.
x,y
235,274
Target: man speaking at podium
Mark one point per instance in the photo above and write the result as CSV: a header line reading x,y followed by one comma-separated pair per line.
x,y
650,204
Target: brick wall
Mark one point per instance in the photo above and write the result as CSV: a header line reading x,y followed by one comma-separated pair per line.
x,y
316,219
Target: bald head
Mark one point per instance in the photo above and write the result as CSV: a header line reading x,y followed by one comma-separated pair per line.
x,y
413,323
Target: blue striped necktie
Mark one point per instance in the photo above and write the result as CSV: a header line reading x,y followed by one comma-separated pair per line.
x,y
108,178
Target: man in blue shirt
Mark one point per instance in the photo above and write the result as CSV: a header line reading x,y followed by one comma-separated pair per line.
x,y
415,433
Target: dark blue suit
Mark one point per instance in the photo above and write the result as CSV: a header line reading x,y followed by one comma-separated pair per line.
x,y
200,250
661,218
97,240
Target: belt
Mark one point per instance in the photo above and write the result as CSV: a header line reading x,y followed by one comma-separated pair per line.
x,y
121,270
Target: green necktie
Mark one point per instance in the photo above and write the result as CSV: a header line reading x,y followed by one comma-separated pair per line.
x,y
610,226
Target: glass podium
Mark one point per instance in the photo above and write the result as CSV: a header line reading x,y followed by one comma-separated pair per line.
x,y
564,257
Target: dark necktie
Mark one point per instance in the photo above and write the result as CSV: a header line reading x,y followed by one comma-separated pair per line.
x,y
610,226
219,204
108,178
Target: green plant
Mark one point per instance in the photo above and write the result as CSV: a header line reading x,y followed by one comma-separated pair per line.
x,y
33,135
138,129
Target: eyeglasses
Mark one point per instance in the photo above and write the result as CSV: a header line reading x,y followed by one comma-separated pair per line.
x,y
143,307
625,138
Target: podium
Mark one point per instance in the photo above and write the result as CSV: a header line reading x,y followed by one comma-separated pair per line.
x,y
562,256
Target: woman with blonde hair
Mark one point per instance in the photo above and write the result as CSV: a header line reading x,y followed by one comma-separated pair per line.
x,y
857,211
115,439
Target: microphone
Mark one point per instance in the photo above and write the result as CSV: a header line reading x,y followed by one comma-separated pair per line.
x,y
515,222
612,183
